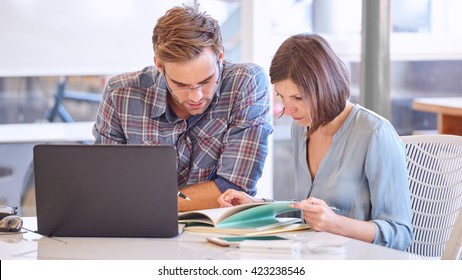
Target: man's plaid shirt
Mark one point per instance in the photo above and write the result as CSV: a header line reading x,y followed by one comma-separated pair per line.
x,y
227,143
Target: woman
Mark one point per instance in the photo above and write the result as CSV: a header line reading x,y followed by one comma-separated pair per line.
x,y
346,157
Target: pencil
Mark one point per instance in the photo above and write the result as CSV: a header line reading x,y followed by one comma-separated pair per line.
x,y
182,195
331,207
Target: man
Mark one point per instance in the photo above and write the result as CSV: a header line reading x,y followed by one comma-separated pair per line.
x,y
215,112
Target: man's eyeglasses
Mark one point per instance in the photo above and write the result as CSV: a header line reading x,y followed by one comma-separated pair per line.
x,y
206,86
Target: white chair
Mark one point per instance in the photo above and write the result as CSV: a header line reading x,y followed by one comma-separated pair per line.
x,y
453,249
434,164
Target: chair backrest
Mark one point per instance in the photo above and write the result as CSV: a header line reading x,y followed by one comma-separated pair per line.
x,y
434,164
453,249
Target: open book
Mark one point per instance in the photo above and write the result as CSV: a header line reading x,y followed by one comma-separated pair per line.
x,y
246,219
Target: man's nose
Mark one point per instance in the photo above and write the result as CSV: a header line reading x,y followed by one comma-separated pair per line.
x,y
195,93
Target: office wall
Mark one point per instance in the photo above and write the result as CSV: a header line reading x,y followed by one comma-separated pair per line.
x,y
77,37
98,37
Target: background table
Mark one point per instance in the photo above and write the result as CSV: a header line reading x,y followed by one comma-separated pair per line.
x,y
46,132
448,109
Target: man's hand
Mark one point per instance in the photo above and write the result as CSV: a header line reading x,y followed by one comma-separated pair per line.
x,y
232,197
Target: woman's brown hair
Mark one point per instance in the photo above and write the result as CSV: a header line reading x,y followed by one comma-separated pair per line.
x,y
322,78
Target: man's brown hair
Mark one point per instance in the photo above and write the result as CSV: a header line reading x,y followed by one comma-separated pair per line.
x,y
183,34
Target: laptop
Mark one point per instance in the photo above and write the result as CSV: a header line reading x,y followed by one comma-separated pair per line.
x,y
106,190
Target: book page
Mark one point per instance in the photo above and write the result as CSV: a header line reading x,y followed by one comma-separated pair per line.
x,y
264,215
286,225
215,215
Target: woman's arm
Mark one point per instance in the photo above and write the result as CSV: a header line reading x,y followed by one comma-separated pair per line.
x,y
386,172
321,217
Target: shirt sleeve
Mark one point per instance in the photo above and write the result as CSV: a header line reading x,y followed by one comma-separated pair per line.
x,y
224,185
245,145
107,129
388,182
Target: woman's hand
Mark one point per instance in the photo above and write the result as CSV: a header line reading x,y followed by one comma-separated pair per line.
x,y
317,214
232,197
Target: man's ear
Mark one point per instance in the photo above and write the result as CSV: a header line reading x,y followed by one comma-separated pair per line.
x,y
221,55
158,65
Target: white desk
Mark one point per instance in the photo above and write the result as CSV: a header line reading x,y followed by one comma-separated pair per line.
x,y
186,246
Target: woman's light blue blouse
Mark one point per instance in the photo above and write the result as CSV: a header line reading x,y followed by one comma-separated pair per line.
x,y
363,174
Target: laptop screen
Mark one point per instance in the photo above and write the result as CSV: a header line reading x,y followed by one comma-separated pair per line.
x,y
106,190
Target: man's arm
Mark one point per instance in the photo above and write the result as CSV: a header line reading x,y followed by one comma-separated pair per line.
x,y
108,129
245,145
203,195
